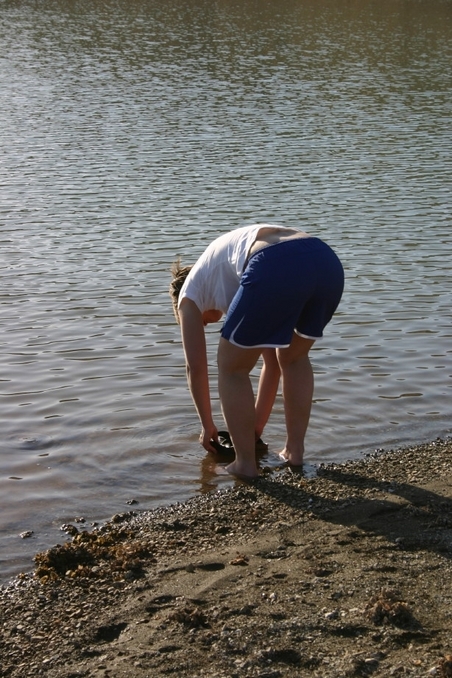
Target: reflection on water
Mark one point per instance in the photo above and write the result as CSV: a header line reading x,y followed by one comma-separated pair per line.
x,y
132,132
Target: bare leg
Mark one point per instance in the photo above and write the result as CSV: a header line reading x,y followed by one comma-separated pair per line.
x,y
298,389
237,401
267,390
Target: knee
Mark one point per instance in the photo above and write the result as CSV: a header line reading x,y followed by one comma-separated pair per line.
x,y
296,353
293,365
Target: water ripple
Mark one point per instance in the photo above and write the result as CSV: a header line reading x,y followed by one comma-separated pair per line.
x,y
134,132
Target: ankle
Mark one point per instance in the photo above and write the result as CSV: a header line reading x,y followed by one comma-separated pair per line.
x,y
243,470
293,456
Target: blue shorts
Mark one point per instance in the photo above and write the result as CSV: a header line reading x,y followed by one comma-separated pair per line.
x,y
295,285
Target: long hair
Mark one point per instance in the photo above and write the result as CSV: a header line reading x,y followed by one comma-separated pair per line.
x,y
179,274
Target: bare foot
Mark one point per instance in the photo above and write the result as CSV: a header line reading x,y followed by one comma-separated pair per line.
x,y
243,471
293,459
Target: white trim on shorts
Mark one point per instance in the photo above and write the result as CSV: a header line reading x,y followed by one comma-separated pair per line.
x,y
306,336
235,343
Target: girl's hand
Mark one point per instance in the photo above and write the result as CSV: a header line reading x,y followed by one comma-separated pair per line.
x,y
208,434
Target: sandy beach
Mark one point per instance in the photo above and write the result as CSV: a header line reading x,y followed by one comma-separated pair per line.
x,y
345,574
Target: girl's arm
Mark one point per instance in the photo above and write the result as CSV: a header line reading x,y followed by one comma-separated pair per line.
x,y
194,342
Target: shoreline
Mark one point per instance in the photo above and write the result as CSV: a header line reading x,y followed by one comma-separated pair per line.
x,y
348,573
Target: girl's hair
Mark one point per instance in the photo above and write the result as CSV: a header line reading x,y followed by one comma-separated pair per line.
x,y
179,274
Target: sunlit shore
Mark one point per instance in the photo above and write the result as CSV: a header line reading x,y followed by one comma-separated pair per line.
x,y
278,574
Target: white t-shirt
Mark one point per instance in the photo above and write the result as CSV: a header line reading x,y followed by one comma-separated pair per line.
x,y
215,278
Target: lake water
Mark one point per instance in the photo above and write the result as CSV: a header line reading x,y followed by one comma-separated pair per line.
x,y
132,132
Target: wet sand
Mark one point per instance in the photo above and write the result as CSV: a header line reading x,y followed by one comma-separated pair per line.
x,y
345,574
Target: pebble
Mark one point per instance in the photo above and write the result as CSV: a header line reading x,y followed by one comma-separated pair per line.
x,y
53,621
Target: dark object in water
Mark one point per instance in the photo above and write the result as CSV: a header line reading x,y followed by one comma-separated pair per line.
x,y
225,445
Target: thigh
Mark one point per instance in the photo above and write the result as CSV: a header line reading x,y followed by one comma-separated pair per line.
x,y
299,348
233,358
